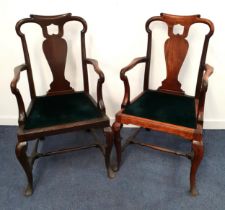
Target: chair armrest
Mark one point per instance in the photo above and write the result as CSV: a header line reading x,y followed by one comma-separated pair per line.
x,y
101,80
206,75
133,63
204,86
16,92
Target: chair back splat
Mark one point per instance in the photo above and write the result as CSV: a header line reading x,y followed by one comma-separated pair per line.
x,y
176,48
55,50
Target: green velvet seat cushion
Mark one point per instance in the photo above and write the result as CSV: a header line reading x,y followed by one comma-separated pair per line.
x,y
163,107
60,109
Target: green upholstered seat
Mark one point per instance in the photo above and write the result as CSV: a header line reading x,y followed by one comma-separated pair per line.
x,y
164,107
55,110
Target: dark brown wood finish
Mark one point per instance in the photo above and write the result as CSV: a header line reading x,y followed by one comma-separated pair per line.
x,y
55,51
175,48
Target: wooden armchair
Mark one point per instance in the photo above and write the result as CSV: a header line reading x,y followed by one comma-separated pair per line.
x,y
168,109
62,109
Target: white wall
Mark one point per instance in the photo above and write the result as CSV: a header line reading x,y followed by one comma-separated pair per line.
x,y
115,35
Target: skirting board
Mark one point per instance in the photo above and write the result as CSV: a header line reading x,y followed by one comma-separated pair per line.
x,y
208,124
9,120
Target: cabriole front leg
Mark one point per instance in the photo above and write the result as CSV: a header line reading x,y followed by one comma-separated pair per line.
x,y
116,131
109,144
21,155
197,147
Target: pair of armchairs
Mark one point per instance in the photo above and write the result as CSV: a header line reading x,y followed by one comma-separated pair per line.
x,y
63,109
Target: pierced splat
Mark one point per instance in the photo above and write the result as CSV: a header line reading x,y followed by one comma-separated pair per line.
x,y
175,49
55,50
53,29
178,29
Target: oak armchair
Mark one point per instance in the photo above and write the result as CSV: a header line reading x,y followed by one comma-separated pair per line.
x,y
62,109
168,109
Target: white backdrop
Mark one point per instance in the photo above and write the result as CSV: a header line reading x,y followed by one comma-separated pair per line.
x,y
116,34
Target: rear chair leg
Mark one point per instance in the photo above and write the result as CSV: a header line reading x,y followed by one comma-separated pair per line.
x,y
116,130
197,147
21,155
109,143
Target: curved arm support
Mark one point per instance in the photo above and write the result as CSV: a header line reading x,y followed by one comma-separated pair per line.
x,y
204,86
16,92
101,80
134,62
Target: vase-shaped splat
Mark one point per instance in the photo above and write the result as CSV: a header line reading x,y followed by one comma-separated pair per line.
x,y
175,50
55,50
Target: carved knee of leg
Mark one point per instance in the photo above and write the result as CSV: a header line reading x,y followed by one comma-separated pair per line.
x,y
109,143
197,147
116,132
21,149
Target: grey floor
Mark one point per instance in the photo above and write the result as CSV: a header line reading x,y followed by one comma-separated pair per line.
x,y
147,179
